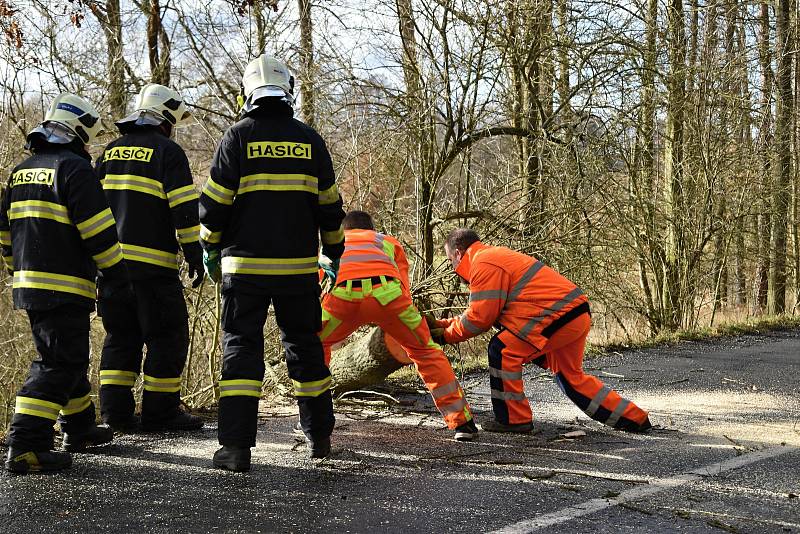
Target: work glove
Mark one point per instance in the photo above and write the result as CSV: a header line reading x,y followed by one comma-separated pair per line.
x,y
211,265
330,268
430,320
196,274
437,335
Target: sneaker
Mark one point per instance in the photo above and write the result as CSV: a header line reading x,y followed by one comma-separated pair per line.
x,y
181,422
128,425
497,426
25,462
95,435
319,448
466,431
235,459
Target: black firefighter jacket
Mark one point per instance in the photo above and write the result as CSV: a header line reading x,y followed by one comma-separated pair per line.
x,y
271,195
56,230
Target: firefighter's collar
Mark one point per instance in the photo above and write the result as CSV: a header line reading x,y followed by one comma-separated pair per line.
x,y
470,254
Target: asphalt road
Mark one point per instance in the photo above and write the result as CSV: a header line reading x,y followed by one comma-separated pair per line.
x,y
724,458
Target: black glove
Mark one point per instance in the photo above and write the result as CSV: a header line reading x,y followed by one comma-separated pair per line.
x,y
437,335
116,289
196,274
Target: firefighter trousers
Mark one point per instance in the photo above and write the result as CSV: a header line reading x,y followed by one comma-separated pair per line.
x,y
156,318
56,387
563,355
298,316
348,307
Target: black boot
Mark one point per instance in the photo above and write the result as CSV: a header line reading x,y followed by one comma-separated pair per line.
x,y
26,461
181,422
95,435
128,425
319,448
233,458
497,426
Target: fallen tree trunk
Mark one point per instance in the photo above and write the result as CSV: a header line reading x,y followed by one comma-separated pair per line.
x,y
365,361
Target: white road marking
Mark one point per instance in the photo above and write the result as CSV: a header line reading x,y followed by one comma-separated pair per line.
x,y
655,486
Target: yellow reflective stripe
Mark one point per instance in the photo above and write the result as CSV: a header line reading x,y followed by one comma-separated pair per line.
x,y
329,196
94,225
9,261
149,255
54,282
332,324
239,388
189,235
334,237
5,237
278,182
216,192
39,209
37,408
76,405
131,182
269,266
176,197
109,257
165,385
312,389
208,236
117,377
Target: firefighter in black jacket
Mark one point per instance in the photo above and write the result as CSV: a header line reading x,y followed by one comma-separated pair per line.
x,y
271,193
56,230
149,186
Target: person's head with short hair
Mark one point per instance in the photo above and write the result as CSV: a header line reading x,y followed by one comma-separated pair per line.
x,y
358,220
457,243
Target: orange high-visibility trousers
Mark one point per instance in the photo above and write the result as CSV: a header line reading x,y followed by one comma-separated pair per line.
x,y
390,307
563,355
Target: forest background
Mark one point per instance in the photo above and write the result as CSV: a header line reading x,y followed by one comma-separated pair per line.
x,y
646,149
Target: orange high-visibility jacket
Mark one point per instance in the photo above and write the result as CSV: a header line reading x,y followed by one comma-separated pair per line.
x,y
515,290
368,253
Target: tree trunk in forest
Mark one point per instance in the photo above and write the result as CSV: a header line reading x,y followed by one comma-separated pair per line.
x,y
307,74
111,22
781,191
158,44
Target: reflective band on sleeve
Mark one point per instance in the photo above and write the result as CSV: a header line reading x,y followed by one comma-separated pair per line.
x,y
149,255
491,294
277,182
176,197
466,323
239,388
597,400
527,277
505,375
219,194
507,395
76,405
39,209
54,282
189,235
456,406
5,237
131,182
269,266
37,408
164,385
446,389
617,413
312,389
329,196
109,257
116,377
94,225
332,238
208,236
556,306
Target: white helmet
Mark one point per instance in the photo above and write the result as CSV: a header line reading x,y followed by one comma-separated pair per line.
x,y
266,76
68,117
155,104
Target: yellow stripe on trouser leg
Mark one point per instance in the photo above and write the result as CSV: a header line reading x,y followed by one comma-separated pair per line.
x,y
239,388
312,389
37,408
163,385
116,377
331,323
76,405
